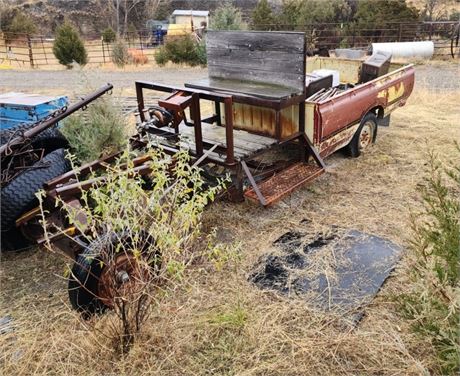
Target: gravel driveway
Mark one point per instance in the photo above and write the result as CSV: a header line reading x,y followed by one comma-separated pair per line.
x,y
67,80
442,77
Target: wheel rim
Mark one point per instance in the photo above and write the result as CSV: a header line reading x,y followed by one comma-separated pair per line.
x,y
365,137
124,275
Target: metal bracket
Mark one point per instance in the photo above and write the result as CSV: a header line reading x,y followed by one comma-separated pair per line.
x,y
253,183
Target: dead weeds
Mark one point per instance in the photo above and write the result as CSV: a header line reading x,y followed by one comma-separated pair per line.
x,y
221,324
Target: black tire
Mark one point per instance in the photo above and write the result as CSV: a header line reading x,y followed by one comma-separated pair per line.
x,y
362,140
50,139
83,287
13,240
19,195
83,284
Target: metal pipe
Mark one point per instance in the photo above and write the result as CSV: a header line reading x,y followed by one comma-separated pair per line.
x,y
41,126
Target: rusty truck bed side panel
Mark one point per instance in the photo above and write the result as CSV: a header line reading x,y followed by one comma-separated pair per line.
x,y
344,110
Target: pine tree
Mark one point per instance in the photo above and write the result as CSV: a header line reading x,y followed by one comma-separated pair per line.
x,y
68,46
262,17
227,17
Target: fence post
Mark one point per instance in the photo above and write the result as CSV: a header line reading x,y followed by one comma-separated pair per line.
x,y
353,36
44,50
400,32
31,55
103,50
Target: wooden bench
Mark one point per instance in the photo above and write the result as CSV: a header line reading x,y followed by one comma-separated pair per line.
x,y
269,65
264,69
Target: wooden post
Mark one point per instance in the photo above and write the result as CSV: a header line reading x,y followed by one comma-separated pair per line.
x,y
196,116
278,124
103,50
44,50
400,32
354,36
217,109
140,100
228,102
31,55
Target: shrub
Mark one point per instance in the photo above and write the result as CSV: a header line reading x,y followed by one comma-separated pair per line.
x,y
68,47
262,17
183,50
13,21
432,300
98,131
109,35
22,24
227,17
168,213
120,56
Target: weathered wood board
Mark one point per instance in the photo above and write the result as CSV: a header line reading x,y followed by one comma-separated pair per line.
x,y
252,88
245,143
271,58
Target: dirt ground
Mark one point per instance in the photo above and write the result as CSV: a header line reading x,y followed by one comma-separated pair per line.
x,y
218,323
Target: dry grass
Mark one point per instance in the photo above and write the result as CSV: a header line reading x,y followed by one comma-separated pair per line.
x,y
220,324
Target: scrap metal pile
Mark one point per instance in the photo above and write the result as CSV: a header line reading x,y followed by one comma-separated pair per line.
x,y
30,155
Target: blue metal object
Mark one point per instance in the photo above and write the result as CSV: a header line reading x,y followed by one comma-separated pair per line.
x,y
19,108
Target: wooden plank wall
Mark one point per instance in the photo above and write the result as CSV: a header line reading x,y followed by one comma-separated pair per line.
x,y
276,58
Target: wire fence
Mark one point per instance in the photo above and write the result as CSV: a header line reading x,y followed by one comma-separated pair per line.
x,y
37,50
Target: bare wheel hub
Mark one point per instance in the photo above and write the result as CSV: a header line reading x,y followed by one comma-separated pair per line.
x,y
365,137
122,276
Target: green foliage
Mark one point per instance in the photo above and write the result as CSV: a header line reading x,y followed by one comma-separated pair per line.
x,y
183,50
13,21
432,302
455,16
232,318
376,14
22,24
166,206
262,17
163,10
227,17
120,55
297,13
132,30
68,46
98,131
109,35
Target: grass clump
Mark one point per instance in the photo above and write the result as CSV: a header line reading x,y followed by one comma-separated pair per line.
x,y
120,55
432,302
96,132
183,50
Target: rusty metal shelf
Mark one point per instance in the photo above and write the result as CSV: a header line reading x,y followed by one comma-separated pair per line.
x,y
283,183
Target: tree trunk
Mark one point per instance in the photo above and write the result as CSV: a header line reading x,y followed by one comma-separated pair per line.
x,y
125,29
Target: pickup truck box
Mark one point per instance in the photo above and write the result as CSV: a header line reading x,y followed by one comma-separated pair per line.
x,y
331,124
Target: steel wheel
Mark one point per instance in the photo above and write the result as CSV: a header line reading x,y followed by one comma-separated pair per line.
x,y
101,274
125,275
364,136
